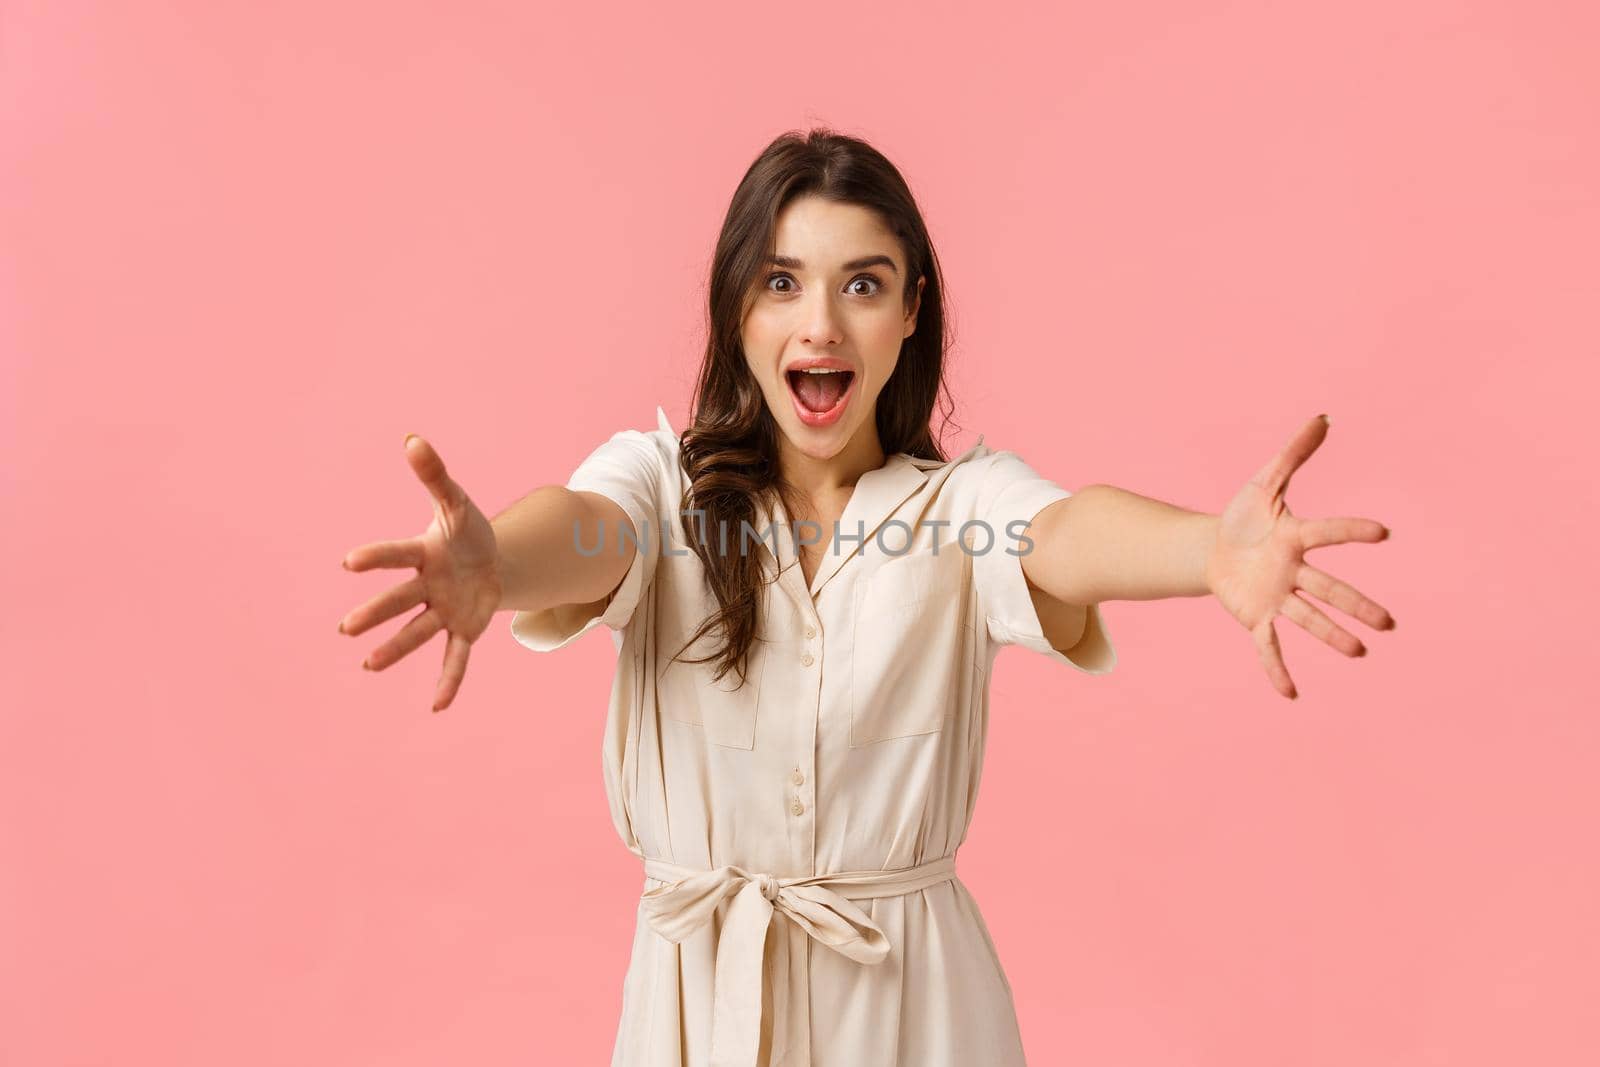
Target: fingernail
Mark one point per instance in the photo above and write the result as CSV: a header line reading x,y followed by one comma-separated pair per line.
x,y
341,626
365,665
1325,419
345,564
407,441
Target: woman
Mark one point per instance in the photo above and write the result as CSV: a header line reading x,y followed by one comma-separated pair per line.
x,y
806,614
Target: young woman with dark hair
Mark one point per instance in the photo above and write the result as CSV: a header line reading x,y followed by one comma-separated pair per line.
x,y
806,618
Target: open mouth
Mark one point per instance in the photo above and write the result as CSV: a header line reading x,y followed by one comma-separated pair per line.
x,y
819,391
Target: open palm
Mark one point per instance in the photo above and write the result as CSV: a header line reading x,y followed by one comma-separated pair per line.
x,y
1257,569
458,578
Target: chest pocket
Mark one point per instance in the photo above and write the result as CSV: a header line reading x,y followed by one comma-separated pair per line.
x,y
910,632
686,692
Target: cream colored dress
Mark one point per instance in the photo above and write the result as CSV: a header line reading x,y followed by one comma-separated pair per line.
x,y
801,905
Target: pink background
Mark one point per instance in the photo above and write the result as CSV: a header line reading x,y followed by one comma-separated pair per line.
x,y
245,248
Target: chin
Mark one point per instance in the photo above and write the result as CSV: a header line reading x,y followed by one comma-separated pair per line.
x,y
811,443
817,443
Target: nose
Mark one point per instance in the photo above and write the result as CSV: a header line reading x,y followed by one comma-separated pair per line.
x,y
821,322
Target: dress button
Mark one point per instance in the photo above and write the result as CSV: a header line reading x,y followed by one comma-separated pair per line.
x,y
799,808
797,778
806,659
811,631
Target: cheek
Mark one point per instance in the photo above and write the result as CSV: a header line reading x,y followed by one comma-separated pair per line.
x,y
761,331
885,323
762,350
883,340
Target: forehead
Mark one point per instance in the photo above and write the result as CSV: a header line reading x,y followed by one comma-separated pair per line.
x,y
825,233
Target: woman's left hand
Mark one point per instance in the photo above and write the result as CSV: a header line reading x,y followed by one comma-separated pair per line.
x,y
1257,568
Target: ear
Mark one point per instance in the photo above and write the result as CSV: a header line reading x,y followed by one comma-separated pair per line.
x,y
916,306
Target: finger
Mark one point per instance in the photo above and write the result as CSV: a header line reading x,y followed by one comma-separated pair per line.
x,y
407,553
455,668
1271,656
407,640
430,468
383,607
1274,475
1343,596
1300,610
1314,533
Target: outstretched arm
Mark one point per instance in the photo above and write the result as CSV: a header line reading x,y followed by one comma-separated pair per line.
x,y
1105,543
539,564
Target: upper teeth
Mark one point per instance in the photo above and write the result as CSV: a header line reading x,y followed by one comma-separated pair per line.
x,y
821,370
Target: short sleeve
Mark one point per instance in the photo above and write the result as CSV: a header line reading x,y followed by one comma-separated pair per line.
x,y
627,469
1010,490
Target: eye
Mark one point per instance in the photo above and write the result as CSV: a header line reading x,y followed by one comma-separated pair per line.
x,y
877,286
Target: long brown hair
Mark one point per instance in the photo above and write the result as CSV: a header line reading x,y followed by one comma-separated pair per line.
x,y
729,452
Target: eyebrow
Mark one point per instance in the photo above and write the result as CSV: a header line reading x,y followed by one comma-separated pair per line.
x,y
790,263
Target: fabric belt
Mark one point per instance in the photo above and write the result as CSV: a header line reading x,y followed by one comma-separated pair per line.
x,y
814,906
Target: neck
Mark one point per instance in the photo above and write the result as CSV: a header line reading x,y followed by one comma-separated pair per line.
x,y
824,478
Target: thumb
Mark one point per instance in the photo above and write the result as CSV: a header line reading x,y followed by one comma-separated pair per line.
x,y
430,470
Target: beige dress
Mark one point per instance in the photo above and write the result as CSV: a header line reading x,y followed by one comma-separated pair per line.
x,y
801,905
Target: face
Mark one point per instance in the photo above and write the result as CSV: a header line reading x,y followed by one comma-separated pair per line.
x,y
825,325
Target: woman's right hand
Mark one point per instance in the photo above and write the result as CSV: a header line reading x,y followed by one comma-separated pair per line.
x,y
458,578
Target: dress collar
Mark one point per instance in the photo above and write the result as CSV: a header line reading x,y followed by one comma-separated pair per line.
x,y
878,494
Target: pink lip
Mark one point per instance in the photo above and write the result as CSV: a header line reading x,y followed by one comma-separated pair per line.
x,y
832,415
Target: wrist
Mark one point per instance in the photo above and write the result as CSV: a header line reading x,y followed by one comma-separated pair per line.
x,y
503,578
1207,527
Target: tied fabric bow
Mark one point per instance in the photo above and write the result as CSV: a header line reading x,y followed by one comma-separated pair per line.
x,y
677,910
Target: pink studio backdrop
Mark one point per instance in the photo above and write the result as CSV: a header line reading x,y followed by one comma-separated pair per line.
x,y
246,248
